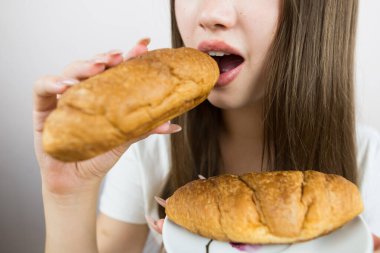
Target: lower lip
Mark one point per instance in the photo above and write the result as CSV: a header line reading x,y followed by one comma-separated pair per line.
x,y
227,77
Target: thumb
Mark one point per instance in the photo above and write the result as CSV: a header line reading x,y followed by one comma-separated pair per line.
x,y
160,225
156,225
167,128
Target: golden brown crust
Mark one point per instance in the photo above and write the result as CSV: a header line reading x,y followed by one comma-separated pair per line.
x,y
265,208
128,101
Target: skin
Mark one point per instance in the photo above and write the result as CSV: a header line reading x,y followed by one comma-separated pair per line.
x,y
249,26
70,195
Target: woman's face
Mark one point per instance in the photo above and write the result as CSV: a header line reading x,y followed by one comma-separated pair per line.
x,y
238,27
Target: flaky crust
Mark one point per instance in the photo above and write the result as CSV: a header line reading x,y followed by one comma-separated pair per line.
x,y
128,101
265,208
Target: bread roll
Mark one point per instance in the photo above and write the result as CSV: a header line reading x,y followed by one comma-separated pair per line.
x,y
265,208
127,101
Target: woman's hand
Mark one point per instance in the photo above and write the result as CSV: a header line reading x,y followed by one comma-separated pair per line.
x,y
157,225
70,190
376,243
67,178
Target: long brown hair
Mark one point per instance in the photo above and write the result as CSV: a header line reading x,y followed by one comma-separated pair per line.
x,y
308,108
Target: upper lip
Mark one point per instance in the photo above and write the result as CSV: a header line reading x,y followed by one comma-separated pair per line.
x,y
217,45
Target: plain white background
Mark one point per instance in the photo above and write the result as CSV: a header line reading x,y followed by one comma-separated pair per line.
x,y
41,36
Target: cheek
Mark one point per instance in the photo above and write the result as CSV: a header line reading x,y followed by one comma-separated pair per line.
x,y
260,25
185,15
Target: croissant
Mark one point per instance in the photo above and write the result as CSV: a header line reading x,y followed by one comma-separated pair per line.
x,y
127,101
265,208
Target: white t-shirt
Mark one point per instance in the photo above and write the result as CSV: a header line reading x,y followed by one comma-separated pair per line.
x,y
140,174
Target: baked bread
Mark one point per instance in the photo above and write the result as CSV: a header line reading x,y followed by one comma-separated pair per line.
x,y
127,101
265,208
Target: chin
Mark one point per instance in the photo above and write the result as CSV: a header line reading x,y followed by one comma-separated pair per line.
x,y
225,101
223,104
245,91
234,99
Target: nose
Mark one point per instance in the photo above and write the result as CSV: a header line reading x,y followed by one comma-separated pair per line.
x,y
217,15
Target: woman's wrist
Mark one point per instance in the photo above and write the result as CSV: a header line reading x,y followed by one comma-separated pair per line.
x,y
71,220
65,186
71,201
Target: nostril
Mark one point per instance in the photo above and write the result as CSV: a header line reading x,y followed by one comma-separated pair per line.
x,y
213,27
219,26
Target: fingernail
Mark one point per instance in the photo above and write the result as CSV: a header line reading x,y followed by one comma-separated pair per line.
x,y
175,128
115,52
144,41
201,177
68,82
160,201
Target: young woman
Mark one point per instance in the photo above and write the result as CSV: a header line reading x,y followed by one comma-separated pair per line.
x,y
284,101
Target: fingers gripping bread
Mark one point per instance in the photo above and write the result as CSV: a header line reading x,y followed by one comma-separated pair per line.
x,y
128,101
271,207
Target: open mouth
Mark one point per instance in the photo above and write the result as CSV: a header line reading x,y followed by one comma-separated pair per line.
x,y
230,60
229,65
226,62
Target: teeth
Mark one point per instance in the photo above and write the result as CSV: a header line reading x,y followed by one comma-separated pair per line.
x,y
217,53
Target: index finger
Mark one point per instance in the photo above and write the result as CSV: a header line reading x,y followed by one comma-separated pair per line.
x,y
46,89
